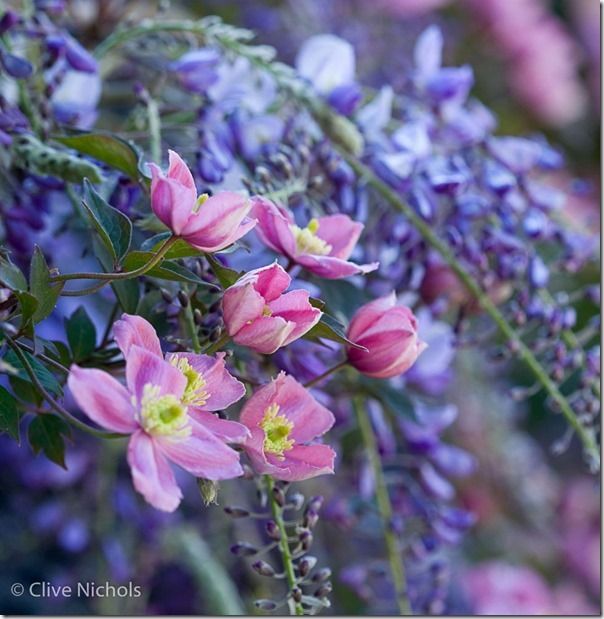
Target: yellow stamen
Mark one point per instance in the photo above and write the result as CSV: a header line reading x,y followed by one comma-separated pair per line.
x,y
163,415
307,241
276,431
195,394
200,201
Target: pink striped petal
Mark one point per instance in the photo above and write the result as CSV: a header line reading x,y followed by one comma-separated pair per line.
x,y
271,281
341,232
135,330
305,461
172,202
222,388
145,368
265,335
151,473
295,307
371,312
179,171
103,399
274,226
224,429
202,454
334,268
241,305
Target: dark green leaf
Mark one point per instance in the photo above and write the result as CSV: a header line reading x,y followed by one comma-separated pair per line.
x,y
9,414
331,329
28,304
46,378
40,286
180,249
45,433
227,277
11,275
109,149
114,228
81,334
165,270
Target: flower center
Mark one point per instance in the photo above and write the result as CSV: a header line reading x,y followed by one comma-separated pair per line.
x,y
307,241
195,394
276,431
200,200
163,415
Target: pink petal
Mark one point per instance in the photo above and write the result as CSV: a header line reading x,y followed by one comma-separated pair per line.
x,y
222,388
341,232
295,307
202,454
145,368
171,201
151,473
271,281
368,314
179,171
134,330
241,305
306,461
310,418
224,429
103,399
334,268
253,410
265,335
254,449
274,226
218,222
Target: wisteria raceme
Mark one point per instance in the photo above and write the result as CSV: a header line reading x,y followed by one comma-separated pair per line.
x,y
337,284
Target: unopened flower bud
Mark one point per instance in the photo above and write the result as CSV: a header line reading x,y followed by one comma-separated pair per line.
x,y
295,500
324,590
183,299
279,496
263,568
306,564
265,604
236,512
322,575
272,530
243,549
297,594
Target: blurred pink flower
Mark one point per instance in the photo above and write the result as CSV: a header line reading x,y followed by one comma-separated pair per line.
x,y
151,410
284,421
210,224
209,387
497,588
259,314
542,57
323,246
388,332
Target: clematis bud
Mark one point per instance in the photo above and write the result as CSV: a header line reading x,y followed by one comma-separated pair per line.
x,y
389,334
259,314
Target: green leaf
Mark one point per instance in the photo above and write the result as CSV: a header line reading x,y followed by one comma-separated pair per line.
x,y
109,149
9,414
165,270
227,277
40,286
180,249
329,328
29,305
45,433
46,378
114,228
11,275
81,334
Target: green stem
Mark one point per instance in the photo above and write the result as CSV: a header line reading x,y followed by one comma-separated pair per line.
x,y
109,277
154,129
523,352
65,414
218,344
295,608
318,379
397,567
191,328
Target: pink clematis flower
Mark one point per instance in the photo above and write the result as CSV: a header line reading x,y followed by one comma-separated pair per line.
x,y
165,408
284,420
259,315
209,388
388,332
323,247
210,224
